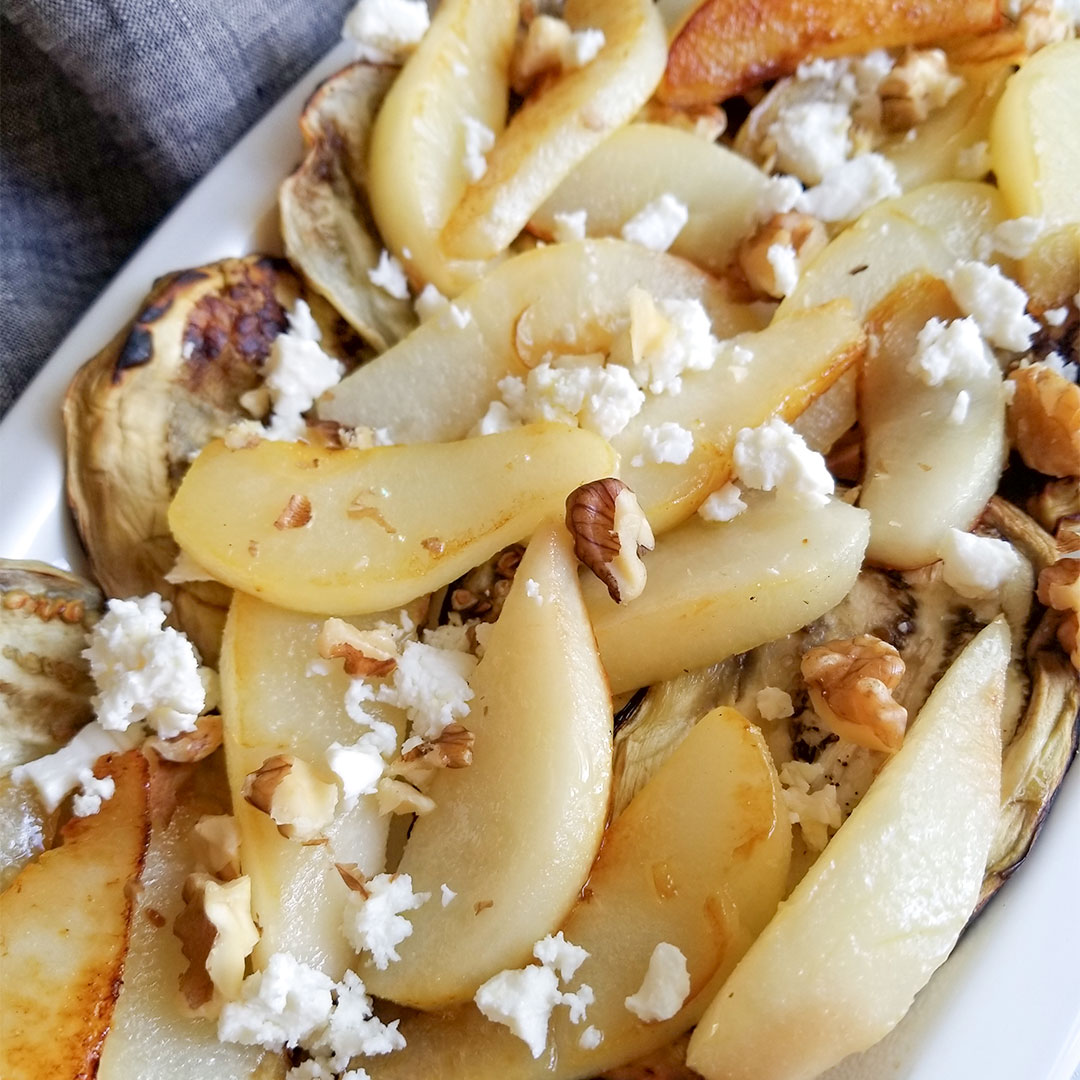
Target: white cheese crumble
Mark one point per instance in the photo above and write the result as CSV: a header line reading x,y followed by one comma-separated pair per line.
x,y
1055,316
976,566
973,162
663,340
1016,237
811,137
92,792
358,767
374,923
570,226
386,31
785,267
775,457
997,304
657,224
664,989
532,591
562,956
479,139
145,670
959,411
389,276
353,1029
667,443
582,48
772,703
726,504
451,635
591,1038
848,189
779,194
950,352
1055,362
523,1001
815,810
432,686
430,303
447,894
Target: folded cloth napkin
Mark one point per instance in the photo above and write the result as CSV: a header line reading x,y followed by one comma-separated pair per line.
x,y
110,110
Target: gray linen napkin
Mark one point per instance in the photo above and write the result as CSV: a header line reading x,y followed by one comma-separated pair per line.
x,y
109,110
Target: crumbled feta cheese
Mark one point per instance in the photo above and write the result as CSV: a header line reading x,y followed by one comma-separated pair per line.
x,y
56,775
91,794
814,810
389,276
532,591
479,139
958,413
973,162
578,1002
778,195
374,923
1016,237
358,767
726,504
997,304
772,703
667,443
950,352
785,267
775,457
523,1000
850,188
657,224
283,1005
460,317
663,340
448,894
353,1029
432,686
430,303
144,670
665,988
976,566
1055,362
386,31
451,635
570,226
1055,316
582,48
811,138
591,1038
562,956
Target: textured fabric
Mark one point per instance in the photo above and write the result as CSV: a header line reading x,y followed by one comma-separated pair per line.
x,y
109,111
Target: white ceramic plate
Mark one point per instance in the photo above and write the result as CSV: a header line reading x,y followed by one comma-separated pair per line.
x,y
1007,1004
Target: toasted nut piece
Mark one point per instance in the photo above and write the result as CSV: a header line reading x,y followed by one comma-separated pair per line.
x,y
296,515
539,50
708,122
299,803
804,234
1058,500
916,86
1059,588
190,746
365,652
1044,420
1042,23
453,749
354,880
217,933
610,534
215,841
851,683
398,797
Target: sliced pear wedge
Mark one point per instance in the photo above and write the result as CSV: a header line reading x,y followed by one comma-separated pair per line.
x,y
531,304
515,833
558,128
862,933
297,896
718,589
698,859
793,362
644,161
926,469
458,74
366,530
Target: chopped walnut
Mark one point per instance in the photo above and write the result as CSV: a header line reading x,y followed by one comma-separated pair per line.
x,y
1041,23
1059,589
1055,502
610,534
297,801
920,83
851,684
365,652
1044,420
398,797
708,122
452,749
296,515
215,843
216,933
803,234
190,746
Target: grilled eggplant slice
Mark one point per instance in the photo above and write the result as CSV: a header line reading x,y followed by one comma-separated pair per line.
x,y
325,221
139,411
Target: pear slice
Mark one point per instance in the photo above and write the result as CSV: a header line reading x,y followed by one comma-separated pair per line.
x,y
925,471
556,129
714,589
366,530
565,298
417,171
882,908
297,896
64,926
698,859
515,833
644,161
793,362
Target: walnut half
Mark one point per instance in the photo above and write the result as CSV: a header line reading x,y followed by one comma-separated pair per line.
x,y
610,534
851,683
297,801
1044,420
365,652
1059,588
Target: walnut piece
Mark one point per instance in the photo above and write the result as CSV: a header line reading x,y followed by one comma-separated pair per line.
x,y
708,122
215,842
216,933
398,797
610,534
1044,420
803,234
1056,501
296,515
297,801
851,683
452,749
365,652
190,746
1059,588
920,83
